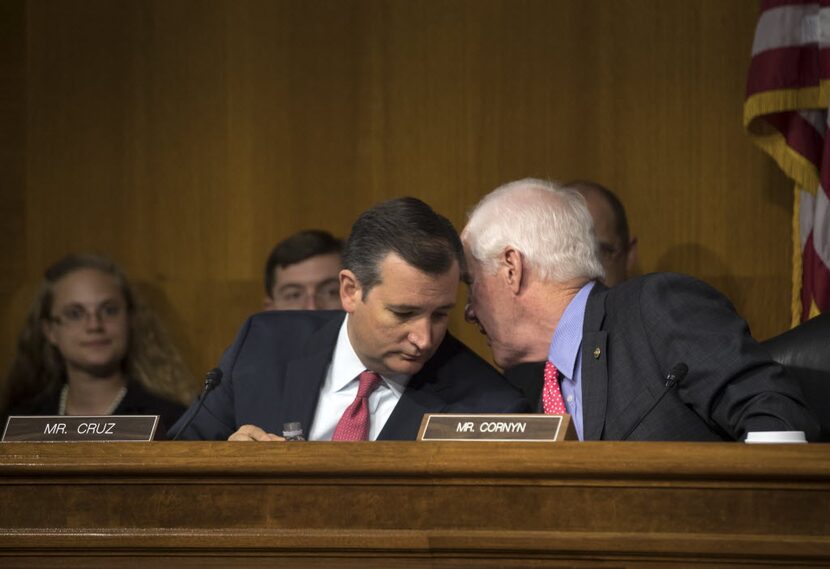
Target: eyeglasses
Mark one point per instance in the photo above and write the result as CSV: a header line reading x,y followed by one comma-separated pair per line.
x,y
325,296
76,315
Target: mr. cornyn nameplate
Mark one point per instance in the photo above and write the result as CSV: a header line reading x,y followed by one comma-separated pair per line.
x,y
514,427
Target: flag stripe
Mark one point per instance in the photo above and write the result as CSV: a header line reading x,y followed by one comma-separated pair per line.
x,y
790,26
800,135
816,285
816,118
794,67
805,217
821,226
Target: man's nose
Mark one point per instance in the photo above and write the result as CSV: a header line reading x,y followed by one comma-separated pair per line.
x,y
421,334
310,300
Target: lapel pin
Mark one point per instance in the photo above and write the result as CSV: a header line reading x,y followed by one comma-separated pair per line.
x,y
597,353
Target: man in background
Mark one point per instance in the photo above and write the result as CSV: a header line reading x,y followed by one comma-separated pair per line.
x,y
301,272
617,247
658,357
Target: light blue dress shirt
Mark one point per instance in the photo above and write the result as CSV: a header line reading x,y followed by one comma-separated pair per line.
x,y
564,353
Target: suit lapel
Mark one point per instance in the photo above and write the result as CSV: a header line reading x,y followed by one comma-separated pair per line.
x,y
405,420
419,397
594,366
304,376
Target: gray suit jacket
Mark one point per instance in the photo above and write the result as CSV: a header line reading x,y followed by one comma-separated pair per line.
x,y
636,332
273,373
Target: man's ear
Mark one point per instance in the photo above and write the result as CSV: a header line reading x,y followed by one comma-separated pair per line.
x,y
268,303
350,290
513,263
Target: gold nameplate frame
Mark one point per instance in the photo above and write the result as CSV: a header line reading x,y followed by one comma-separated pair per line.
x,y
75,428
496,428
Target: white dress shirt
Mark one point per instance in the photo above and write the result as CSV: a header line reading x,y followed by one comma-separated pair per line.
x,y
340,389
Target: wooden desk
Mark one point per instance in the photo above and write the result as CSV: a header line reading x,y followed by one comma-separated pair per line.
x,y
388,504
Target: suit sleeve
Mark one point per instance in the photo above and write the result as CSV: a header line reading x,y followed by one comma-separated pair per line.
x,y
732,383
216,421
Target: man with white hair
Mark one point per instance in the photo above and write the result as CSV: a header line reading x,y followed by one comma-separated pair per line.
x,y
660,357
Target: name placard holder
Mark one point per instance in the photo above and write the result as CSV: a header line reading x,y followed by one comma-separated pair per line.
x,y
497,428
76,428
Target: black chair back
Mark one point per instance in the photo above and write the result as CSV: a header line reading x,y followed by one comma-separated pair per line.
x,y
805,352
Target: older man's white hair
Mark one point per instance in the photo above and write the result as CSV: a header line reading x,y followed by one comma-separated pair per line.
x,y
550,226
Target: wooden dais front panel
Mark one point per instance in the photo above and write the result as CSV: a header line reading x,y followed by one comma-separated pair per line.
x,y
387,504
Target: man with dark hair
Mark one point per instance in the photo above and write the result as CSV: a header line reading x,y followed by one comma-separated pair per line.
x,y
374,371
617,248
302,272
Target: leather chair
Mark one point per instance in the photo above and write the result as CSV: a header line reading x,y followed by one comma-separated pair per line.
x,y
805,352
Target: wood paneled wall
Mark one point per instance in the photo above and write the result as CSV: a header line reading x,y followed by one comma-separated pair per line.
x,y
184,138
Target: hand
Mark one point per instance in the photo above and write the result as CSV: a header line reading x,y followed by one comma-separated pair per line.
x,y
253,433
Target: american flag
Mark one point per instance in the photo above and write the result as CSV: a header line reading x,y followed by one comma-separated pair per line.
x,y
786,115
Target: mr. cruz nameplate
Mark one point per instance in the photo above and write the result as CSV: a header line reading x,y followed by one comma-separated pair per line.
x,y
476,427
60,428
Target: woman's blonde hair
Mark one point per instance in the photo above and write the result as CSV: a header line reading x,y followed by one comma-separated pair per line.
x,y
151,358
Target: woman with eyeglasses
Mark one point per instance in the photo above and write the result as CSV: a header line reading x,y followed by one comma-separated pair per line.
x,y
89,347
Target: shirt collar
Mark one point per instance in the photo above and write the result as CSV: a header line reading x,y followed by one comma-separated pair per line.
x,y
346,365
564,346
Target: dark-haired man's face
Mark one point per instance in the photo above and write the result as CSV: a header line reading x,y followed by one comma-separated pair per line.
x,y
402,320
312,284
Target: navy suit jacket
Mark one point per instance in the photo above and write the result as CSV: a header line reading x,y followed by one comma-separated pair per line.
x,y
636,332
273,373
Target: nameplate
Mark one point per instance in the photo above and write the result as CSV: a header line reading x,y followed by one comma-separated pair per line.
x,y
75,428
492,428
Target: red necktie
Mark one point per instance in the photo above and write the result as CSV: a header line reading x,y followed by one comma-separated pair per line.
x,y
354,424
552,403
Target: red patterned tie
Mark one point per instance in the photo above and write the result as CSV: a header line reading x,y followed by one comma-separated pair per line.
x,y
354,424
552,403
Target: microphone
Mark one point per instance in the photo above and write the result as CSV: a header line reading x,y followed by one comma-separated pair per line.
x,y
673,378
676,374
212,379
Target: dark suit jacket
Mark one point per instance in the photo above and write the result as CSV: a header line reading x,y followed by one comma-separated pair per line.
x,y
640,330
273,373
